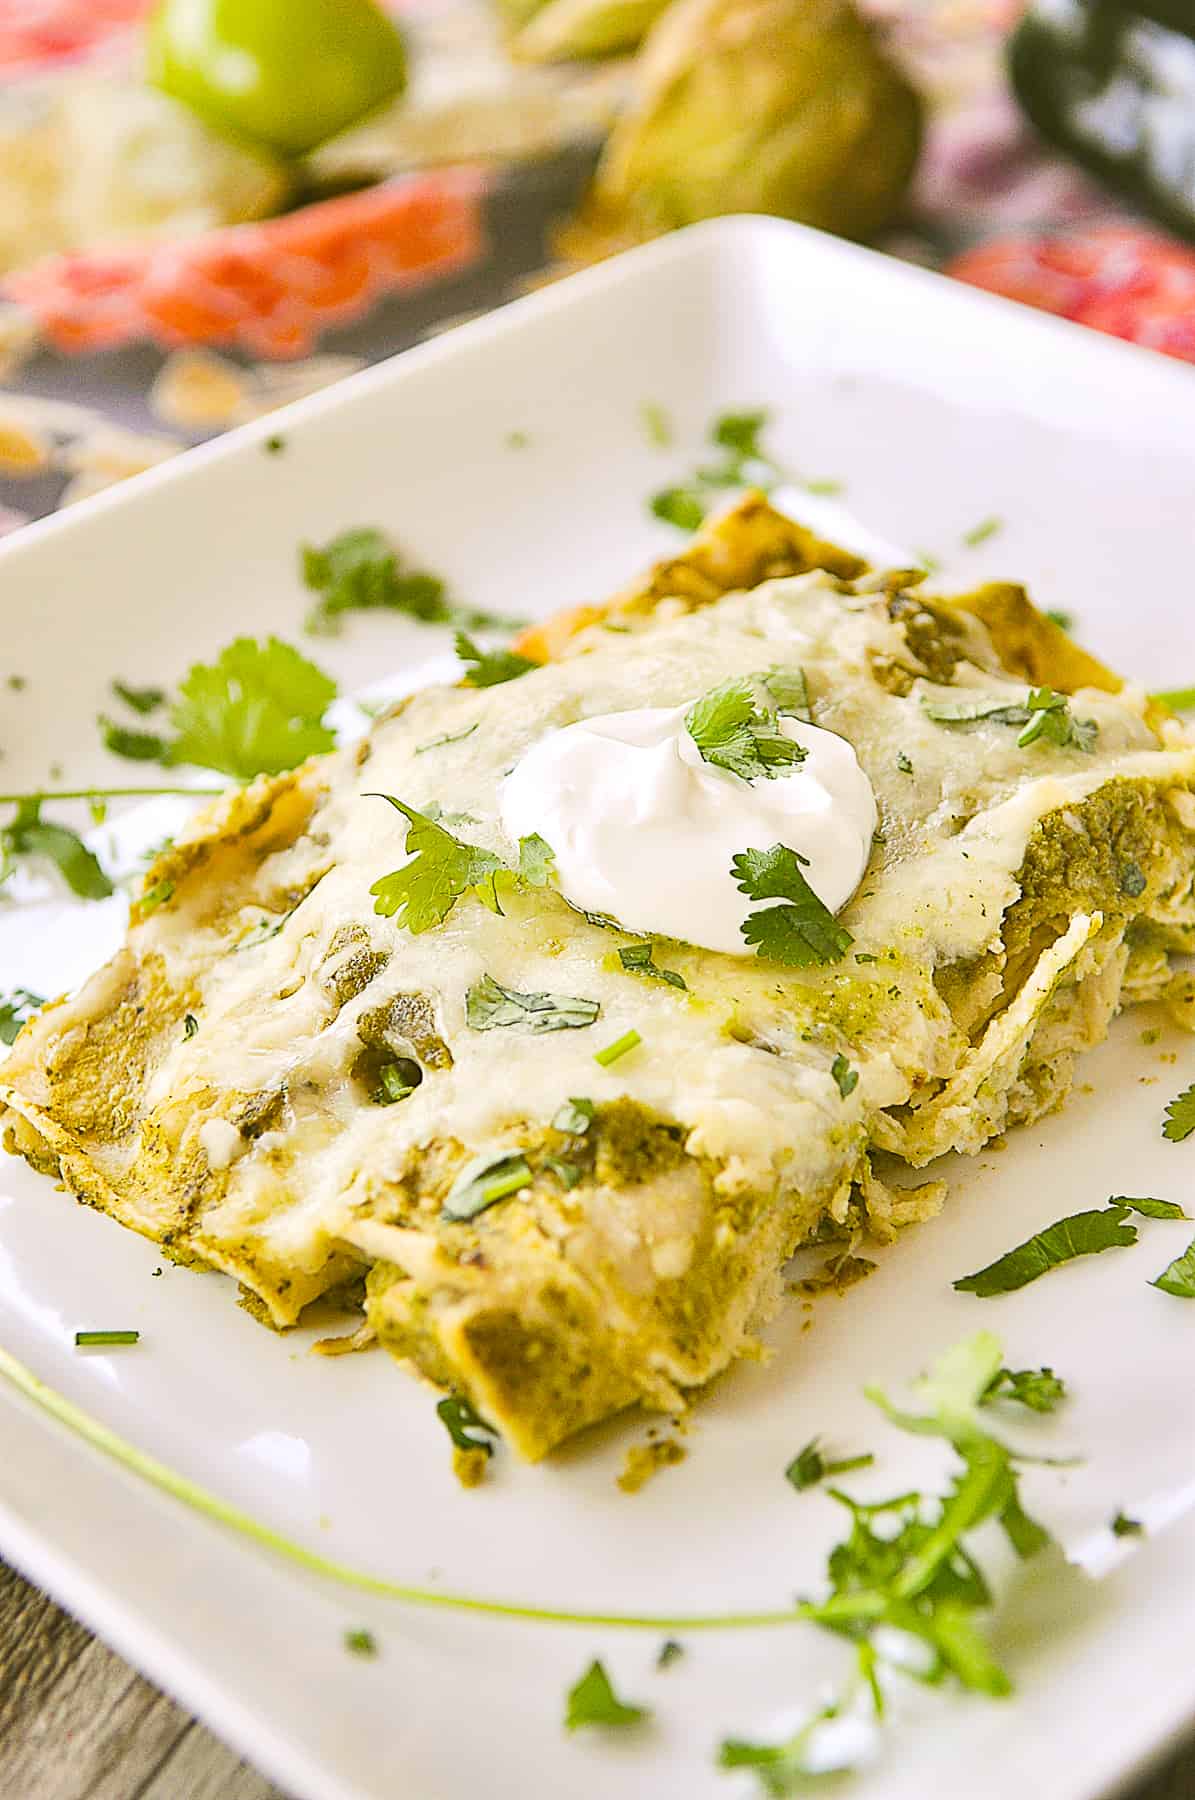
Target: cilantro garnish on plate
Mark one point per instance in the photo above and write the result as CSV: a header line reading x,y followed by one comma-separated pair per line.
x,y
1082,1234
592,1701
1178,1277
443,868
1039,1389
360,570
1180,1116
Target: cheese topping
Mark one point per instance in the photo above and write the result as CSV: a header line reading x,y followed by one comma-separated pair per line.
x,y
644,829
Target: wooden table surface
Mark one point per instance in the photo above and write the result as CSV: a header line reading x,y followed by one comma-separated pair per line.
x,y
76,1723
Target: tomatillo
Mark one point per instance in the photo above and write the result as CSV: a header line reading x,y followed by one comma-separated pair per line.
x,y
286,73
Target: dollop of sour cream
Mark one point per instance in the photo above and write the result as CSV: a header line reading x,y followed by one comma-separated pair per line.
x,y
644,829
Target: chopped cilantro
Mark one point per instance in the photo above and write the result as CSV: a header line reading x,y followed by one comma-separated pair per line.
x,y
490,668
1065,621
360,571
979,534
537,861
846,1078
733,733
1123,1526
740,432
639,959
809,1466
619,1047
657,425
1043,715
360,1643
788,690
592,1701
85,1340
190,1025
135,746
257,710
16,1008
29,835
485,1181
903,763
680,506
1039,1389
274,445
448,737
783,1768
140,700
669,1652
1149,1209
1082,1234
575,1116
1180,1116
464,1425
441,869
489,1005
1178,1277
800,933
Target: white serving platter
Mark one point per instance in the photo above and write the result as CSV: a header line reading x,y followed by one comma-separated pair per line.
x,y
936,407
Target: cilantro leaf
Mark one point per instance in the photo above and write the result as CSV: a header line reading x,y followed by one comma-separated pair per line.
x,y
979,534
1178,1277
669,1652
360,571
789,692
639,959
489,1005
1082,1234
360,1643
845,1077
537,861
1149,1209
732,733
464,1424
1180,1116
683,507
1123,1526
967,709
442,868
490,668
575,1116
592,1701
1043,714
1039,1389
136,746
16,1008
139,700
256,710
740,432
800,933
28,834
809,1466
485,1181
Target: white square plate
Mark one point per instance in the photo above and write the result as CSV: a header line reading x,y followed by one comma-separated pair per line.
x,y
937,407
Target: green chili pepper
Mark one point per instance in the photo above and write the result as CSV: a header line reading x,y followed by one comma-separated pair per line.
x,y
1112,83
285,73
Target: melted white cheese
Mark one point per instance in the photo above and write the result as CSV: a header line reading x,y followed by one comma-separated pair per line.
x,y
643,829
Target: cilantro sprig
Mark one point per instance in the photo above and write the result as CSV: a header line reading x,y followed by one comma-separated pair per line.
x,y
443,868
1044,716
803,930
360,570
733,732
490,1006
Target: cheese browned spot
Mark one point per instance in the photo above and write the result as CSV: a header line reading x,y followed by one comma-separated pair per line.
x,y
1015,897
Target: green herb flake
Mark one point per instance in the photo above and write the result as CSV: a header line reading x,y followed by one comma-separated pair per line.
x,y
575,1116
360,1643
449,737
1180,1116
139,700
657,426
190,1025
619,1047
740,432
1065,621
809,1466
1149,1209
1122,1526
490,1006
88,1340
1039,1389
361,571
592,1701
1043,715
731,732
679,506
490,668
826,486
483,1182
788,689
639,959
274,445
16,1009
1178,1277
801,933
517,440
1082,1234
669,1652
979,534
441,869
134,746
903,763
784,1768
846,1078
464,1425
